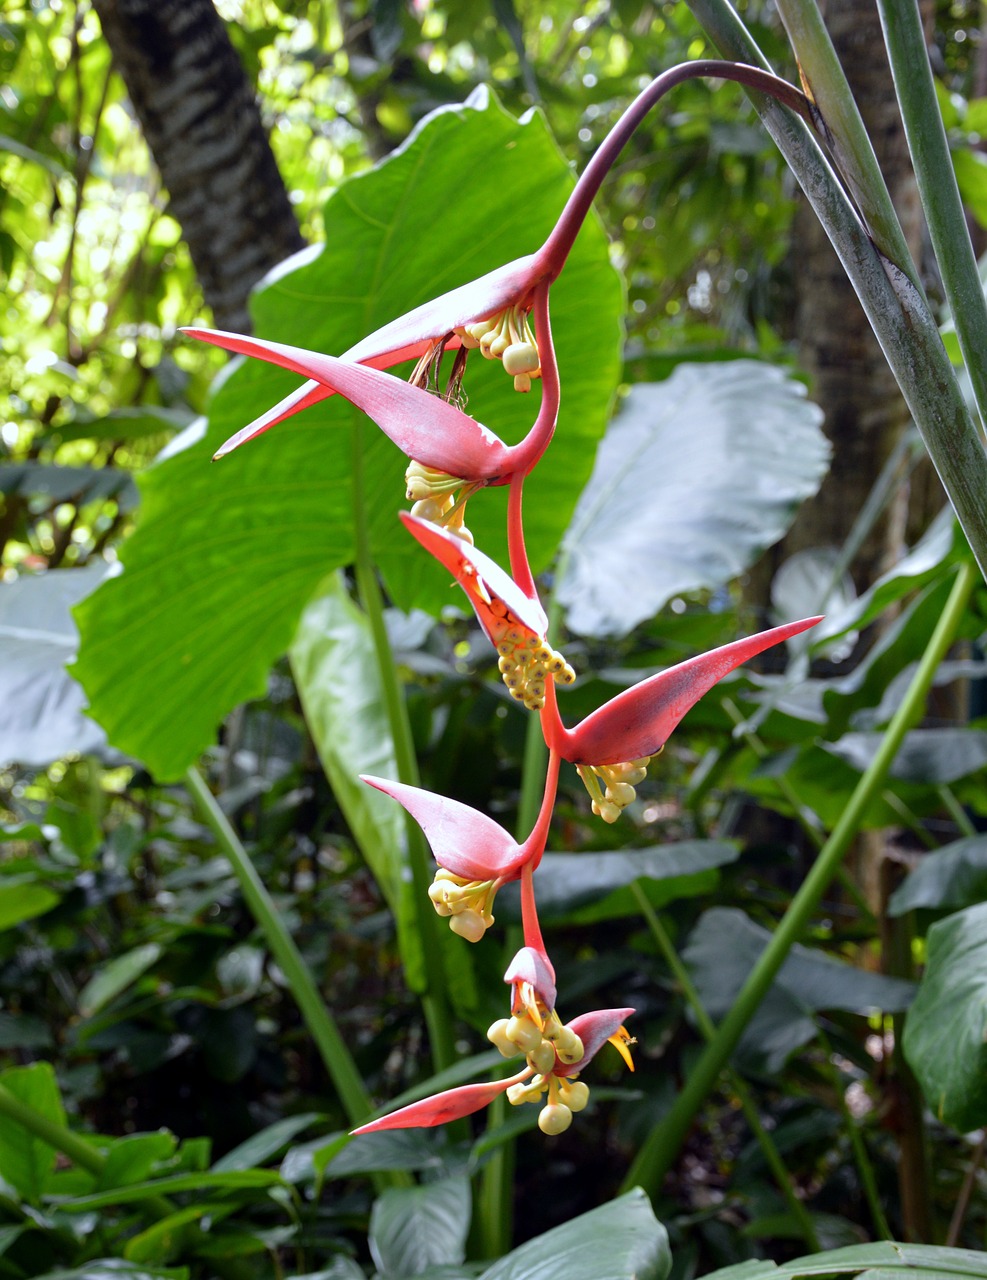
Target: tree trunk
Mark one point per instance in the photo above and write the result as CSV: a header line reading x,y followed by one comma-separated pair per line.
x,y
850,378
200,118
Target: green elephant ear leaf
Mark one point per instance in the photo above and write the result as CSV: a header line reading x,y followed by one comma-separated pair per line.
x,y
945,1037
226,556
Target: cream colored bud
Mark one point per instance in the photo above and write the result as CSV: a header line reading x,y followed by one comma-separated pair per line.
x,y
523,1032
522,382
606,810
543,1057
555,1118
521,357
430,509
621,794
469,924
497,1035
526,1091
569,1047
574,1094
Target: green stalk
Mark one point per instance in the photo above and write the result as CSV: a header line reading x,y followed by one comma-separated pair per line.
x,y
50,1131
844,130
68,1143
664,1142
806,818
896,309
435,1006
956,811
764,1140
865,1166
332,1047
929,148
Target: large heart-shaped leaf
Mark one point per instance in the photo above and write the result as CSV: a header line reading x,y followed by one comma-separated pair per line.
x,y
226,556
696,476
946,1030
42,706
415,1228
622,1240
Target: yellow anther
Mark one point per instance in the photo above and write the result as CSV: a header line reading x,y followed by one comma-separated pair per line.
x,y
621,1041
465,903
619,781
574,1094
555,1118
506,336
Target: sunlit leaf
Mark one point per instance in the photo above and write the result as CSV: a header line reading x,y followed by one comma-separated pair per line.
x,y
225,557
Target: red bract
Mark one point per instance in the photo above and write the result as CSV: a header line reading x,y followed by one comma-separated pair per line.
x,y
637,722
514,621
423,426
463,840
440,1108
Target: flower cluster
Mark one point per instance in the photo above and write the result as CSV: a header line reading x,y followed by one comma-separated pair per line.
x,y
505,315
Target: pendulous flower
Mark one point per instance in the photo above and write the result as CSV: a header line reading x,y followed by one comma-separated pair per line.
x,y
514,621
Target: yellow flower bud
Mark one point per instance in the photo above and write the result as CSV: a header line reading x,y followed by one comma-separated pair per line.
x,y
555,1118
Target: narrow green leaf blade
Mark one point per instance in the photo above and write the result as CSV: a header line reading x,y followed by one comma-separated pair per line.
x,y
116,976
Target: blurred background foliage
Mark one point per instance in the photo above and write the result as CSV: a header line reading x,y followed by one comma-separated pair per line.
x,y
129,958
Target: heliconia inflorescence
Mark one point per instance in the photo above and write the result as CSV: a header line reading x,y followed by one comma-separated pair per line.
x,y
451,457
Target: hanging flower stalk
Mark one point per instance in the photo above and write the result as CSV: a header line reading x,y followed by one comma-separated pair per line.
x,y
504,316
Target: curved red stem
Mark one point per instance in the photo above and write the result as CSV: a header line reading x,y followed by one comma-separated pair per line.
x,y
553,253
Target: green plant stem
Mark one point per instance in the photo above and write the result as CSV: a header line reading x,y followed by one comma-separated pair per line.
x,y
806,818
764,1140
68,1143
896,309
435,1005
662,1146
929,148
332,1047
865,1166
49,1131
956,811
844,130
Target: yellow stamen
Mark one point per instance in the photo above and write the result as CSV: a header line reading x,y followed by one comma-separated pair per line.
x,y
506,336
619,780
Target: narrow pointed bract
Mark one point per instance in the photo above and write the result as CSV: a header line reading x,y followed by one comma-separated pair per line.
x,y
514,622
463,840
423,426
441,1108
637,722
